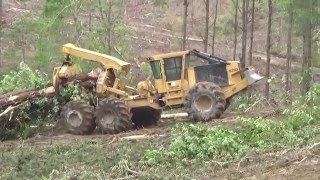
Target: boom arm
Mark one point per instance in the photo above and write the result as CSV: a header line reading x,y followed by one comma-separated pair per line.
x,y
106,60
208,57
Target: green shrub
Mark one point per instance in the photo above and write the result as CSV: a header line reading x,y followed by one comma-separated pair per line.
x,y
243,102
265,134
298,126
305,110
33,112
52,7
24,78
199,142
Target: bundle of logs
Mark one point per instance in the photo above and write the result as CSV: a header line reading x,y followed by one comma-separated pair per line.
x,y
12,100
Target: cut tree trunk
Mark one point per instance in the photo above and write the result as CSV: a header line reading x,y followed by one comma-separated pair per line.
x,y
109,26
252,29
307,50
244,32
214,26
1,14
19,97
235,30
184,27
267,91
207,27
288,87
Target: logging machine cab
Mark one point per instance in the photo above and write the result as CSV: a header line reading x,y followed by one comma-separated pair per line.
x,y
175,73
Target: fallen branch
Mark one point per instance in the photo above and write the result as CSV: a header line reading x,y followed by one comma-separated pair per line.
x,y
174,116
253,105
124,178
247,156
302,160
4,120
140,137
135,137
113,140
139,173
9,109
222,164
315,149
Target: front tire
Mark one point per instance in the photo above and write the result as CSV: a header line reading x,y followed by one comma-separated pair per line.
x,y
205,101
113,116
78,118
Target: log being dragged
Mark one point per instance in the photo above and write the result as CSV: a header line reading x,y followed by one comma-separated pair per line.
x,y
85,81
16,92
21,96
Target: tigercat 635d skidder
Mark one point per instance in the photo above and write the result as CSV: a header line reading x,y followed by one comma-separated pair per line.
x,y
204,90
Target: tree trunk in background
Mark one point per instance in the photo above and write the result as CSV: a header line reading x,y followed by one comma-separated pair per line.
x,y
251,36
306,65
207,27
184,27
235,30
102,38
0,32
100,9
307,50
23,49
288,87
244,32
214,26
90,20
192,16
109,27
267,91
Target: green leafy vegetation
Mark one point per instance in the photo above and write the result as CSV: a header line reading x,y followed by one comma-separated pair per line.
x,y
33,112
24,78
242,102
36,112
298,126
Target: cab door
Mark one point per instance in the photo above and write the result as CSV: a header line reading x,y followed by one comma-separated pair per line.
x,y
173,73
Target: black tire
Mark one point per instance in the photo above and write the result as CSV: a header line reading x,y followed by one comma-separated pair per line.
x,y
145,116
205,101
113,116
78,118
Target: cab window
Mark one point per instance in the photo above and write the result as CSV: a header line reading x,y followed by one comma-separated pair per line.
x,y
155,67
172,68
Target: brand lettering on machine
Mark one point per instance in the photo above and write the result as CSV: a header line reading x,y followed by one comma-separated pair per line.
x,y
234,70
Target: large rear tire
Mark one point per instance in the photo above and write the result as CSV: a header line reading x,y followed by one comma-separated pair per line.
x,y
145,116
113,116
78,118
205,101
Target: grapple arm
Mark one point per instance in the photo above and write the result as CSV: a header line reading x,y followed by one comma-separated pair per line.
x,y
106,60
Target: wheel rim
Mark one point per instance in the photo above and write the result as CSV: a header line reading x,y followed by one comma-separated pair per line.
x,y
74,118
107,118
204,103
